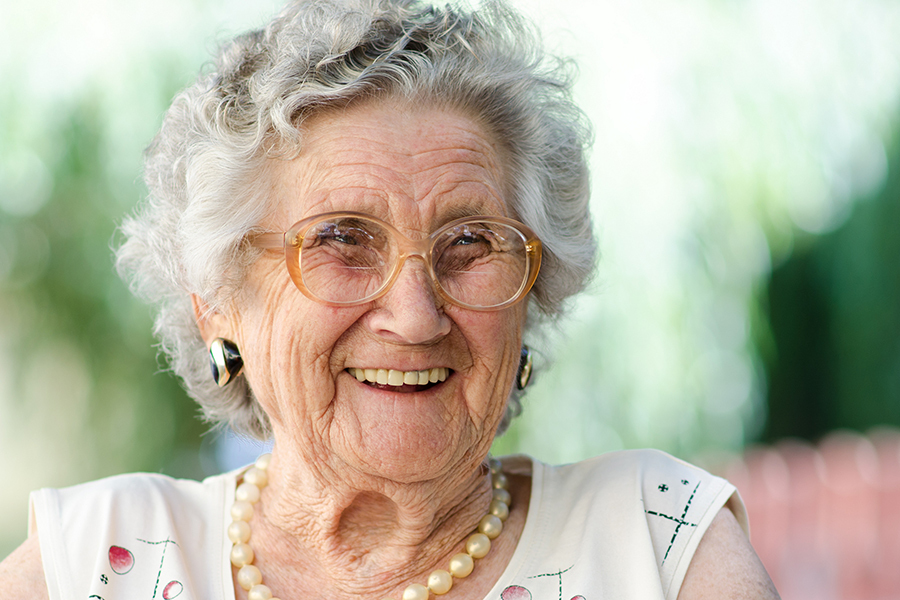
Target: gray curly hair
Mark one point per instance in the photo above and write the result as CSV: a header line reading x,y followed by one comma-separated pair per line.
x,y
204,166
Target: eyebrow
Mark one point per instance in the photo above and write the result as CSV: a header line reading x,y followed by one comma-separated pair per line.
x,y
458,212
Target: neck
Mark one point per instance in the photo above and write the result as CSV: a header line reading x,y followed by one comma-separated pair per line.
x,y
352,527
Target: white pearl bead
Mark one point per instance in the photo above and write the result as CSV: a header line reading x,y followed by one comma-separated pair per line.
x,y
478,545
490,525
416,591
247,492
461,565
257,477
239,532
440,582
241,511
259,592
263,461
241,555
499,509
500,481
248,576
495,464
503,496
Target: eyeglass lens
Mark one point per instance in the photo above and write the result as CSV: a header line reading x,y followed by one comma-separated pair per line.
x,y
479,263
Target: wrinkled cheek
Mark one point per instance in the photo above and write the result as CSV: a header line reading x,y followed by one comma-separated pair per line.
x,y
495,343
487,402
292,389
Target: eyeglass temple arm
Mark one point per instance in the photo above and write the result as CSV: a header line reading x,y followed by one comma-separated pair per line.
x,y
268,241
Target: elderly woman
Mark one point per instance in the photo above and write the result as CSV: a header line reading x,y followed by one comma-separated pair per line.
x,y
357,218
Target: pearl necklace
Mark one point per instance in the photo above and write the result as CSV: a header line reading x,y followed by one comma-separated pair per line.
x,y
440,581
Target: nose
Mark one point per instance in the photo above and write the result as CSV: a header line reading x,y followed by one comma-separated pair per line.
x,y
411,312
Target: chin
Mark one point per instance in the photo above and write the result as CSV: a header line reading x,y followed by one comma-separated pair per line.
x,y
405,454
404,437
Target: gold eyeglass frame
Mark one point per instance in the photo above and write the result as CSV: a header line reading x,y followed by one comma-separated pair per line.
x,y
292,239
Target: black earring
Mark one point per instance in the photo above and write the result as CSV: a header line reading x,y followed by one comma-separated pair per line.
x,y
225,361
524,374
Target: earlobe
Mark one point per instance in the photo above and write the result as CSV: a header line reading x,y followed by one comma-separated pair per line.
x,y
216,331
225,361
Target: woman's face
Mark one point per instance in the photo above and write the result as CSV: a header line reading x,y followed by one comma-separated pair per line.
x,y
416,168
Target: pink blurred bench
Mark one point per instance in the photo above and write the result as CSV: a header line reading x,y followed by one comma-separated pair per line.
x,y
825,519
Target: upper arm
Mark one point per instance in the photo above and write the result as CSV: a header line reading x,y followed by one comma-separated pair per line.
x,y
22,572
725,566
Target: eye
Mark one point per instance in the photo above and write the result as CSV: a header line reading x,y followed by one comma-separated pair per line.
x,y
342,234
343,238
468,239
474,234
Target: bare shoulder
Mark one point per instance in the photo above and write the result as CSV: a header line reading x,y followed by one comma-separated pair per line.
x,y
22,572
725,566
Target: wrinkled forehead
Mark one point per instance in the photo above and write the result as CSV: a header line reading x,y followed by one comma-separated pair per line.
x,y
415,167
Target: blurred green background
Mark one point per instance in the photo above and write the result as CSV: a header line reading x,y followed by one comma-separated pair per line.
x,y
747,198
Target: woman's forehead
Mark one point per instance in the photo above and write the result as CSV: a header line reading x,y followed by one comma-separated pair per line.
x,y
392,162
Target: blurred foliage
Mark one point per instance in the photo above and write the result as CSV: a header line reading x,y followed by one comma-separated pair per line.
x,y
76,337
82,393
833,347
728,134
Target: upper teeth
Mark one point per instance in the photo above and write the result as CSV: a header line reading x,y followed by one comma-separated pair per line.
x,y
397,378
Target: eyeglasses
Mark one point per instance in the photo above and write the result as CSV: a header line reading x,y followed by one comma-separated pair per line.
x,y
347,258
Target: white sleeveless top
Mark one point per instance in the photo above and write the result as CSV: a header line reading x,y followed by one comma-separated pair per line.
x,y
623,525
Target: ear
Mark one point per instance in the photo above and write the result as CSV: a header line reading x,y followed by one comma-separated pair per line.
x,y
211,323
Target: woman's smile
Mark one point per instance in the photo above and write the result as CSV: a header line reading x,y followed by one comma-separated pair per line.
x,y
400,381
